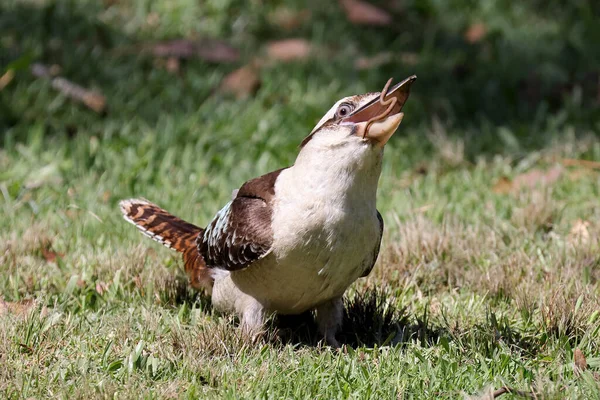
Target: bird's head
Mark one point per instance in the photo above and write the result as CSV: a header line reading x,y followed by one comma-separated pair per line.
x,y
364,121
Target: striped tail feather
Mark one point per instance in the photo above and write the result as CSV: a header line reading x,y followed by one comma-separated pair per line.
x,y
174,233
160,225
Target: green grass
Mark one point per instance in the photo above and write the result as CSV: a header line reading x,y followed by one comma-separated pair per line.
x,y
473,289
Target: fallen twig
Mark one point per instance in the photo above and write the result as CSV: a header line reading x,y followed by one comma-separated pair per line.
x,y
89,98
210,50
506,389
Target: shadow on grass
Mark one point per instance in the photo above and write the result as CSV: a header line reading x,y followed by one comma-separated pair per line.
x,y
371,320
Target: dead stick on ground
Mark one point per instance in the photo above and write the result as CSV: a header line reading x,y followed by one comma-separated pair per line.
x,y
506,389
91,99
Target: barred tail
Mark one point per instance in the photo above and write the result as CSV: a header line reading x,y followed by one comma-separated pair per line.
x,y
160,225
173,232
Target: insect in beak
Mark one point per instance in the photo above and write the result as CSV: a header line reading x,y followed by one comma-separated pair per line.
x,y
378,119
390,103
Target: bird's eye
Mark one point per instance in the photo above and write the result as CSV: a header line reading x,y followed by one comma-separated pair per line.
x,y
344,110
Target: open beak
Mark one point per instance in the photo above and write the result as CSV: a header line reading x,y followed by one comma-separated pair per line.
x,y
378,119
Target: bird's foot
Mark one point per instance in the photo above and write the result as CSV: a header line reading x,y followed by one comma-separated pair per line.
x,y
329,320
253,336
252,321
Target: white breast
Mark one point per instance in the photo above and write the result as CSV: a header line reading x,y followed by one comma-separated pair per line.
x,y
325,231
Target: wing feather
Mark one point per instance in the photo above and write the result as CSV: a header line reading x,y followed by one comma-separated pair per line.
x,y
376,249
241,233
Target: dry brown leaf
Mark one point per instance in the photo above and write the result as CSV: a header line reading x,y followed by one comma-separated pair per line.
x,y
422,209
106,195
95,101
101,288
503,186
579,232
363,13
579,361
537,177
210,50
289,49
19,308
372,62
153,19
242,82
180,48
138,282
530,180
51,255
289,19
55,70
409,58
476,32
172,65
73,213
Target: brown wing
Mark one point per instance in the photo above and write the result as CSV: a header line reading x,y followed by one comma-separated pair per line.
x,y
376,249
241,231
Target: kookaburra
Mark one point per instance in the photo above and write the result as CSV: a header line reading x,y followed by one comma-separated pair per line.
x,y
294,239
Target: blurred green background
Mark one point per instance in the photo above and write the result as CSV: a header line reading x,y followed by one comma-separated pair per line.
x,y
482,65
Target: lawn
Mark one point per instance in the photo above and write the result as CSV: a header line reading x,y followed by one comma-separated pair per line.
x,y
489,271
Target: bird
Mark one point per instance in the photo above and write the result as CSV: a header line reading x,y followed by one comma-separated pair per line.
x,y
293,240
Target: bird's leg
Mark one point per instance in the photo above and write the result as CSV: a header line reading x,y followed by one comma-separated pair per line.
x,y
329,319
253,319
228,298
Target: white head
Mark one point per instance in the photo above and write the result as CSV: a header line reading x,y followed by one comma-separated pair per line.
x,y
354,131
